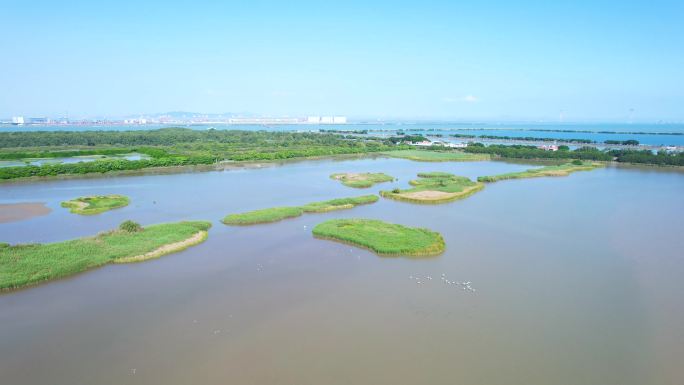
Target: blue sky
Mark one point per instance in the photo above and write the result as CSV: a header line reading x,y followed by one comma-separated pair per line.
x,y
494,60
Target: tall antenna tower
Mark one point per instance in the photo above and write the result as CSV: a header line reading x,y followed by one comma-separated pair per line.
x,y
561,116
631,115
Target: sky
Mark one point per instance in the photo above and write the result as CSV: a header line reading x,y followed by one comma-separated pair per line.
x,y
442,60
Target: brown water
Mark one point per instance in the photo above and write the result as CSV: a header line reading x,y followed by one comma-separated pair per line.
x,y
12,212
578,281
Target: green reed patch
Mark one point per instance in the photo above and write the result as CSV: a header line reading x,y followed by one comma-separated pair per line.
x,y
437,156
275,214
435,187
361,180
91,205
23,265
559,170
383,238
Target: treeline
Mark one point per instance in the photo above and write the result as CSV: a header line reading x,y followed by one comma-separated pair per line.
x,y
161,137
532,152
612,132
100,166
583,153
173,147
648,157
536,139
527,138
63,154
630,142
407,138
306,152
361,132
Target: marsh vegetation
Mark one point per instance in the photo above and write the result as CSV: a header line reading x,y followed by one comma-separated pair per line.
x,y
383,238
23,265
361,180
437,156
558,170
171,147
95,204
275,214
435,187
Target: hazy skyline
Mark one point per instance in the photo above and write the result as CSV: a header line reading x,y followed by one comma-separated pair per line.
x,y
392,60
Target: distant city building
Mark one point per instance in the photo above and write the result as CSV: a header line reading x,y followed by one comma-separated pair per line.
x,y
264,120
18,120
40,120
551,147
135,121
425,143
326,120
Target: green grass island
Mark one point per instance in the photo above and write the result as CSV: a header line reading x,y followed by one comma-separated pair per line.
x,y
383,238
434,188
30,264
437,156
96,204
361,180
275,214
558,170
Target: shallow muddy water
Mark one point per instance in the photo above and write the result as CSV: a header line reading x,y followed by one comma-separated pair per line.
x,y
13,212
577,279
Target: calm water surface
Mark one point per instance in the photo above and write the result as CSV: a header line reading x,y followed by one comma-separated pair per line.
x,y
578,281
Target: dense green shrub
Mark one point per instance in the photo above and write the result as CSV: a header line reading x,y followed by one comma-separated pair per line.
x,y
130,226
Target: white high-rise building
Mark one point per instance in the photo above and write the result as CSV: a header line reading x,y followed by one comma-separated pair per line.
x,y
340,119
18,120
313,119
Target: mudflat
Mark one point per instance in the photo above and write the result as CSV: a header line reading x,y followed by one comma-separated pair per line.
x,y
13,212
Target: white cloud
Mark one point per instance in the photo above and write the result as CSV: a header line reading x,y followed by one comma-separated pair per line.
x,y
464,99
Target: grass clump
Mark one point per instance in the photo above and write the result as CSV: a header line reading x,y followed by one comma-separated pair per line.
x,y
279,213
559,170
435,174
130,227
383,238
339,204
273,214
23,265
361,180
95,204
435,187
437,156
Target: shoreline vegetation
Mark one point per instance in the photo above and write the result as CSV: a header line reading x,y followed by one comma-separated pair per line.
x,y
275,214
361,180
437,156
630,156
382,238
435,188
96,204
559,170
171,147
181,148
29,264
